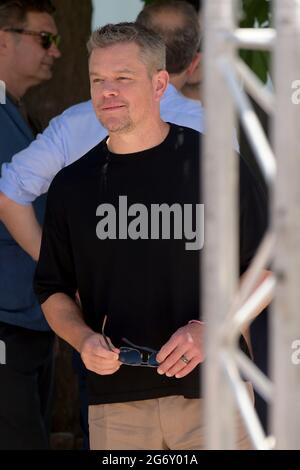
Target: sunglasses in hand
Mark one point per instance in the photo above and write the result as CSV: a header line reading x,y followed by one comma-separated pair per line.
x,y
134,355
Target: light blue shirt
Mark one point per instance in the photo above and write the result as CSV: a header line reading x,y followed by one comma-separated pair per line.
x,y
71,135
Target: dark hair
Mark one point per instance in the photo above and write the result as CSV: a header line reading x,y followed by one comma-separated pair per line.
x,y
182,39
152,47
14,12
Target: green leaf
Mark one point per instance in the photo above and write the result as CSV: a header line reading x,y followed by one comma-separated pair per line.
x,y
256,13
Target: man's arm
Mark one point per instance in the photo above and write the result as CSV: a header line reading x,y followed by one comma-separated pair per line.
x,y
65,318
25,178
29,174
188,340
55,285
22,224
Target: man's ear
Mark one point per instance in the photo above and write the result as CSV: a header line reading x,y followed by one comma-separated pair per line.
x,y
194,64
161,83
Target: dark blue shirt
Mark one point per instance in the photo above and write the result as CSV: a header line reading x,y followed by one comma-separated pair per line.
x,y
18,303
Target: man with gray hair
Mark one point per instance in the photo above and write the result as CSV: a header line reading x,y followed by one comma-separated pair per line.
x,y
137,286
28,50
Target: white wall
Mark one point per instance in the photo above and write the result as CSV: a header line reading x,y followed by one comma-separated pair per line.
x,y
115,11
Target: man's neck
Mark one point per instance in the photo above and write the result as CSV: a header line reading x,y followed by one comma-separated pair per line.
x,y
15,87
178,80
141,139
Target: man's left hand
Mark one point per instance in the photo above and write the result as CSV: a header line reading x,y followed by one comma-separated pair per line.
x,y
183,352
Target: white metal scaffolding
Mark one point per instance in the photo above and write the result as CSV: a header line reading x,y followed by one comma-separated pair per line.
x,y
226,303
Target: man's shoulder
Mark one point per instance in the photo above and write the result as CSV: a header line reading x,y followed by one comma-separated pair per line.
x,y
78,116
80,170
15,134
177,99
178,109
186,134
84,108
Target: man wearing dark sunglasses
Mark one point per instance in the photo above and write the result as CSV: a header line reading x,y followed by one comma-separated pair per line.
x,y
137,329
28,49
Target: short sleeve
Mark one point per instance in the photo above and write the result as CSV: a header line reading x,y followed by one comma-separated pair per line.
x,y
55,270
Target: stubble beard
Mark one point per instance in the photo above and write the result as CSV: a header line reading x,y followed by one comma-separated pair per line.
x,y
117,126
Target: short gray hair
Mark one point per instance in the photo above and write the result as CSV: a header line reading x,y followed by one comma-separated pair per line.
x,y
152,47
182,40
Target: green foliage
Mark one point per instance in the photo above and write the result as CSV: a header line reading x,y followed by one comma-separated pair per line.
x,y
256,13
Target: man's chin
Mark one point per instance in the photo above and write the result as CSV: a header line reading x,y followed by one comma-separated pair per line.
x,y
46,71
43,77
115,126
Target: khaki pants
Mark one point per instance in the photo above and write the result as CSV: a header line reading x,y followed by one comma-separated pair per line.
x,y
168,423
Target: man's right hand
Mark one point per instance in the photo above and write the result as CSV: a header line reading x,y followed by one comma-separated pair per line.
x,y
97,357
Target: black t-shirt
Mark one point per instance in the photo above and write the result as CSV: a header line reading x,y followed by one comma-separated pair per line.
x,y
148,288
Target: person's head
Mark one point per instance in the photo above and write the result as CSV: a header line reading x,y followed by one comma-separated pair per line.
x,y
28,42
177,22
127,75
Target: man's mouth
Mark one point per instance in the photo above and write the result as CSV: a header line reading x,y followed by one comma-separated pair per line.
x,y
113,107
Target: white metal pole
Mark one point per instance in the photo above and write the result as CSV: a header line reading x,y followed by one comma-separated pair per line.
x,y
220,250
286,221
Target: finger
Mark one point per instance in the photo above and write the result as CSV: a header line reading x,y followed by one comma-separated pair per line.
x,y
99,369
178,365
110,365
110,371
167,348
188,368
172,359
104,365
102,351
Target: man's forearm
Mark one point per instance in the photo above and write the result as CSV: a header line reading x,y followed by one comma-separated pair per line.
x,y
22,224
65,318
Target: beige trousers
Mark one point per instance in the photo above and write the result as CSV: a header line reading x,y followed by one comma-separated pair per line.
x,y
168,423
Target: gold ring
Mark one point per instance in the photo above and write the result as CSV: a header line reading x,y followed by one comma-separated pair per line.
x,y
184,359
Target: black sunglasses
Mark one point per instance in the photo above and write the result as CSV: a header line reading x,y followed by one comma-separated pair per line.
x,y
47,39
134,356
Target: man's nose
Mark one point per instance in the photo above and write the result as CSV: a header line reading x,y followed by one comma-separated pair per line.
x,y
53,51
109,89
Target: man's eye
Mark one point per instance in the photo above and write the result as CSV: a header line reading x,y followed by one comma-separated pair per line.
x,y
123,78
97,80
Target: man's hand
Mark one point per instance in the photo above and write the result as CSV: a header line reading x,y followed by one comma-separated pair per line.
x,y
183,352
97,357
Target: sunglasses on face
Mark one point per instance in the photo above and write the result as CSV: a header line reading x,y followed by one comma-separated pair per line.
x,y
47,39
135,355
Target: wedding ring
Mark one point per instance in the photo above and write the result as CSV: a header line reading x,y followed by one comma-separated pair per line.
x,y
184,359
